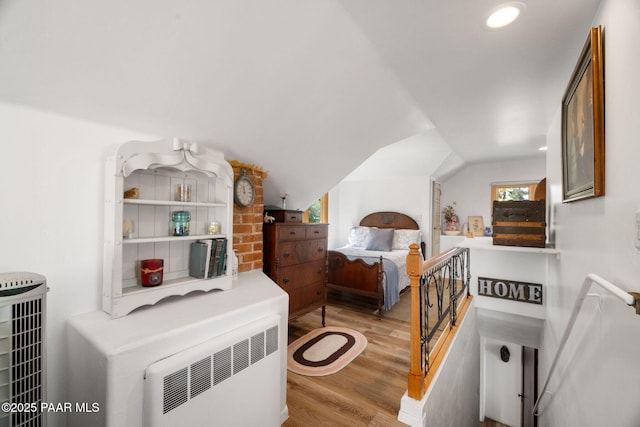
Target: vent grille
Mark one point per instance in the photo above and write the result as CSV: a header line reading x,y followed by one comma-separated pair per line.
x,y
22,348
175,390
188,382
272,340
221,365
200,376
257,347
240,356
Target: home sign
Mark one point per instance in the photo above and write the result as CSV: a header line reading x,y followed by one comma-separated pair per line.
x,y
510,290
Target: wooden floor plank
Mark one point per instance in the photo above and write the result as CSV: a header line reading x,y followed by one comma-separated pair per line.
x,y
367,392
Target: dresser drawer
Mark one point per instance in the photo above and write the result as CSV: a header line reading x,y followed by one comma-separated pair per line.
x,y
292,253
317,250
286,216
317,232
310,295
297,276
292,233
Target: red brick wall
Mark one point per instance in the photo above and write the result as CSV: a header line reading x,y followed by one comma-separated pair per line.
x,y
247,223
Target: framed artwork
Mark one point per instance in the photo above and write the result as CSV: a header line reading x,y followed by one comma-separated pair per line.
x,y
583,124
476,226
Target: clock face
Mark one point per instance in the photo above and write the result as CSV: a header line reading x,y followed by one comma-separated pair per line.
x,y
244,191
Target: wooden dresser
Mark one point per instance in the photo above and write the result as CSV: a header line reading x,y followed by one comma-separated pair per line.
x,y
295,257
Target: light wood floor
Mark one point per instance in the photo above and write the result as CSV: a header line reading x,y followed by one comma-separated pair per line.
x,y
367,392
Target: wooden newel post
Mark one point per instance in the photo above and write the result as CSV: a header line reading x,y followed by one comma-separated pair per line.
x,y
416,373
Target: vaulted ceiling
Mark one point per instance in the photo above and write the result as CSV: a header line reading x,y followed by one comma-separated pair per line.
x,y
307,89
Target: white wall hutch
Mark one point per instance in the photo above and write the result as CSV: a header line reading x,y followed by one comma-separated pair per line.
x,y
154,169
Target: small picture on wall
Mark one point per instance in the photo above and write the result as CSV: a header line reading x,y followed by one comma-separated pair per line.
x,y
476,226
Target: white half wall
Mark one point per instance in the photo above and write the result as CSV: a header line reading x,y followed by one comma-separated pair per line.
x,y
452,398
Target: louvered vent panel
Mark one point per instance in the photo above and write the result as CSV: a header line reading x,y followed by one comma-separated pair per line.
x,y
200,376
272,340
175,390
22,348
257,347
240,356
206,373
221,365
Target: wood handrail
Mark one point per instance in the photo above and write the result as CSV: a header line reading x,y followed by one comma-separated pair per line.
x,y
442,256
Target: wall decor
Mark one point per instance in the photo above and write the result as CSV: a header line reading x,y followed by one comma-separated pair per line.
x,y
510,290
583,124
476,226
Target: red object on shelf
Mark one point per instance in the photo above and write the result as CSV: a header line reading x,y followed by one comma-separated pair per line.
x,y
151,272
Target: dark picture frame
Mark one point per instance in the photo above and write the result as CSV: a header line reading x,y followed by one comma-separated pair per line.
x,y
583,124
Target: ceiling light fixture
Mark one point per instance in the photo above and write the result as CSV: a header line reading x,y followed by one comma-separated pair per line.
x,y
543,148
504,15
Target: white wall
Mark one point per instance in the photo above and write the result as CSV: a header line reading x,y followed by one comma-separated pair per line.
x,y
452,398
470,187
599,383
51,187
349,201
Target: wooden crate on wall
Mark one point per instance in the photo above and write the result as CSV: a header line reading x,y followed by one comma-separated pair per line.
x,y
520,223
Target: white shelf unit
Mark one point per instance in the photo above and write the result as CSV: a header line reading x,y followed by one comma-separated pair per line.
x,y
155,168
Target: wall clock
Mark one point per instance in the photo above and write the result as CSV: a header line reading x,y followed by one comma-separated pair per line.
x,y
244,191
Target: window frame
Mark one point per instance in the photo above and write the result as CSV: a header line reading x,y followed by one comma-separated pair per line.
x,y
324,210
495,186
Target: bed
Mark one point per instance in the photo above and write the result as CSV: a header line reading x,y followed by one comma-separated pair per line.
x,y
373,263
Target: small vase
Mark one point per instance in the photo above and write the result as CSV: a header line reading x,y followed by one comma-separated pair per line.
x,y
452,226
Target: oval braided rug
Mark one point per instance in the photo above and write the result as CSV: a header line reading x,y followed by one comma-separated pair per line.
x,y
324,351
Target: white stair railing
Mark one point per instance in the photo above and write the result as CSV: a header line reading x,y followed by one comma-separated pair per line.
x,y
629,298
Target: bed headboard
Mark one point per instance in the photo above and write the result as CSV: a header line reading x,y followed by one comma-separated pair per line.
x,y
395,220
389,220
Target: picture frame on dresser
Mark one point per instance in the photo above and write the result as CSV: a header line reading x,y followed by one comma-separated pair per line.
x,y
583,124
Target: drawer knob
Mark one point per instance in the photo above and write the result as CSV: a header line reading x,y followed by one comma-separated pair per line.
x,y
285,280
293,217
320,249
316,231
293,233
286,254
320,270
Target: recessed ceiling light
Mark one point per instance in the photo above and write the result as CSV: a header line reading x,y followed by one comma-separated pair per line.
x,y
504,15
543,148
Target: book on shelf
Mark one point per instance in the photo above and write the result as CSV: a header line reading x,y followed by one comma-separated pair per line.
x,y
198,260
223,257
208,258
218,252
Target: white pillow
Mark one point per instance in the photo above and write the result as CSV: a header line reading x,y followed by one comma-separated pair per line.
x,y
358,237
403,238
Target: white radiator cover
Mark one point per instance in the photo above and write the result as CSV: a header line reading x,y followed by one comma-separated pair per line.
x,y
214,381
109,359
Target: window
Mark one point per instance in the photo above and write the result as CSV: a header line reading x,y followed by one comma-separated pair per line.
x,y
317,212
512,191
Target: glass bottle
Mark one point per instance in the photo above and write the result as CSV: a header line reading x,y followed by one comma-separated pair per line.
x,y
180,221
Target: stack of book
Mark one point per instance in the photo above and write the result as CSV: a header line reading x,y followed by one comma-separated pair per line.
x,y
208,258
